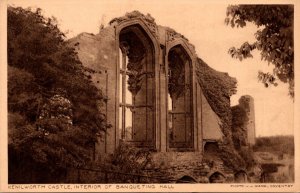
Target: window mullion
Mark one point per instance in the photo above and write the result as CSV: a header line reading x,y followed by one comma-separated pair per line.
x,y
185,106
123,76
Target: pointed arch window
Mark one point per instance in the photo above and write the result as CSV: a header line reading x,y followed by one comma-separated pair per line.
x,y
136,87
180,111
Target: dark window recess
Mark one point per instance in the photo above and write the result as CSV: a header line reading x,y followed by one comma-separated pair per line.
x,y
180,99
136,87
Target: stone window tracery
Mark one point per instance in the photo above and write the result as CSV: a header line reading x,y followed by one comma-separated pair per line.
x,y
180,99
125,106
136,87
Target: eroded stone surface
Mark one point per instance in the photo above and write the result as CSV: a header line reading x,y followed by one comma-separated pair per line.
x,y
147,46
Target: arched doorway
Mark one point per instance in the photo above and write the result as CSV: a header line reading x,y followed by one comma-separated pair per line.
x,y
186,179
217,177
241,177
211,148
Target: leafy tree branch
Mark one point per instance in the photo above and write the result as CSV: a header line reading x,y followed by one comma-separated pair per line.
x,y
274,39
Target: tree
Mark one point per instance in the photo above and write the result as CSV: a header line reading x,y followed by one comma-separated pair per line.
x,y
274,39
53,106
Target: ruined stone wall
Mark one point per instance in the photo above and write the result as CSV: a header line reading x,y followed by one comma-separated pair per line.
x,y
175,165
165,167
210,115
210,122
97,53
178,165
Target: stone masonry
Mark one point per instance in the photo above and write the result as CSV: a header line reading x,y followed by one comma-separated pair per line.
x,y
147,73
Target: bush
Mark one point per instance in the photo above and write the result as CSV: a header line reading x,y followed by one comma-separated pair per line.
x,y
127,158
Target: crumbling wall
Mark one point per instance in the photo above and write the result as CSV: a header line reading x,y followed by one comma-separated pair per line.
x,y
98,54
217,87
175,165
211,101
211,122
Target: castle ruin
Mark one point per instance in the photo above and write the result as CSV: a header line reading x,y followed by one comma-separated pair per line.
x,y
161,97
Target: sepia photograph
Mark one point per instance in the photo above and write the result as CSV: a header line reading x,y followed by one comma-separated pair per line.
x,y
148,95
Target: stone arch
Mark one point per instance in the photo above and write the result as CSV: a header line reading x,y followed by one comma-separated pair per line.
x,y
137,70
241,177
211,147
138,22
184,44
180,97
186,179
217,177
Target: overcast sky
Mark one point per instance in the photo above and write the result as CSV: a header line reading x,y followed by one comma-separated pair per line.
x,y
203,24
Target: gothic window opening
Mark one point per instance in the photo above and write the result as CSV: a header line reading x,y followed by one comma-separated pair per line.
x,y
125,106
136,87
180,99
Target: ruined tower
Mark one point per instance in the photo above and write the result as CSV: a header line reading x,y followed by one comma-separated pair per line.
x,y
247,102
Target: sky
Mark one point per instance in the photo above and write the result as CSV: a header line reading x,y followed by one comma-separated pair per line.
x,y
203,24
